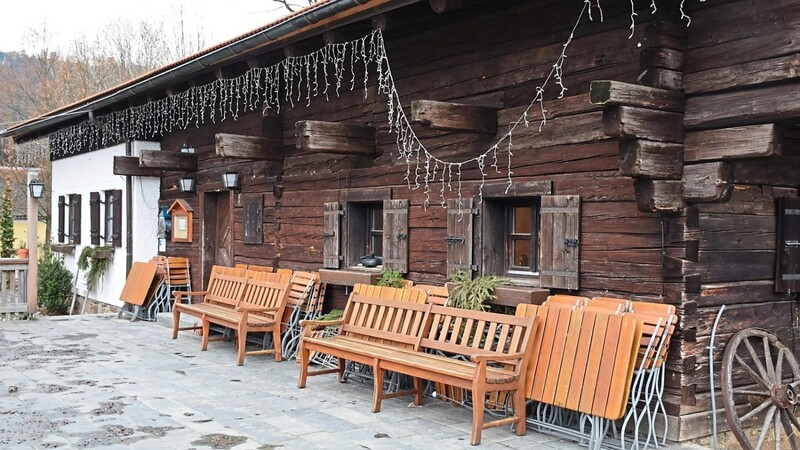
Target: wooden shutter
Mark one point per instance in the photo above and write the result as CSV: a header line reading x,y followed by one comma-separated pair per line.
x,y
460,225
94,218
395,235
559,247
75,212
62,234
331,235
787,277
253,206
116,208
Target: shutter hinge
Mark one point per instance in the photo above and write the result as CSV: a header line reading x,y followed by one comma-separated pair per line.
x,y
328,235
402,237
454,240
571,242
476,212
792,243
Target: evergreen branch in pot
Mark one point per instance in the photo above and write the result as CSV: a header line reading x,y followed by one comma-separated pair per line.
x,y
473,294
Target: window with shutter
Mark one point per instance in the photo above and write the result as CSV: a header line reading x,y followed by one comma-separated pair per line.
x,y
116,218
460,222
62,206
75,219
331,235
559,249
253,206
787,277
94,218
395,235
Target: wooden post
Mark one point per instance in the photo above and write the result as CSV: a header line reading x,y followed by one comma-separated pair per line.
x,y
33,246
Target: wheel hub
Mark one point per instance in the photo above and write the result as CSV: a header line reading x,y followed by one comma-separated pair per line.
x,y
783,395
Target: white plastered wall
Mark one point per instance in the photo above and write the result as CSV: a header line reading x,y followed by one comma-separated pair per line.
x,y
93,172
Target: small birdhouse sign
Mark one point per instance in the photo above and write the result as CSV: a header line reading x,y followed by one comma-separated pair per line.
x,y
181,214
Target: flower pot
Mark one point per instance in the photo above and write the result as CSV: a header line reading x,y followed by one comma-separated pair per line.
x,y
22,253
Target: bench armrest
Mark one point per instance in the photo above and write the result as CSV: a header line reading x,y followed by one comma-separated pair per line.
x,y
314,323
179,294
496,358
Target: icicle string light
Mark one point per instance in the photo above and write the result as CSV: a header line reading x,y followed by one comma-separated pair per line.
x,y
298,79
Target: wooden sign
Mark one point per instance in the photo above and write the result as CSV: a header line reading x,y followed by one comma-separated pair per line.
x,y
181,214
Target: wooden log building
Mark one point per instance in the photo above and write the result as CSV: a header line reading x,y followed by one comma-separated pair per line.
x,y
668,172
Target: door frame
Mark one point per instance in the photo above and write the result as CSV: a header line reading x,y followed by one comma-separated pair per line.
x,y
208,239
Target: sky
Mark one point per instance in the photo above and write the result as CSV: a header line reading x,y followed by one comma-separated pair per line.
x,y
66,20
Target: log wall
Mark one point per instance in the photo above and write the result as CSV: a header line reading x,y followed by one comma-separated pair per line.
x,y
643,235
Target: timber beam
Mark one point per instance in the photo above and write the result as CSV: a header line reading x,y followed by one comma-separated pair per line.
x,y
658,196
129,165
617,93
315,136
154,159
707,182
454,116
650,159
632,122
445,6
249,147
755,141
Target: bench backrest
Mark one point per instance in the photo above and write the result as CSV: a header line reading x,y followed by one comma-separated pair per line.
x,y
266,294
268,276
563,299
390,293
657,333
225,289
257,268
612,303
456,330
652,308
437,295
225,270
583,359
386,321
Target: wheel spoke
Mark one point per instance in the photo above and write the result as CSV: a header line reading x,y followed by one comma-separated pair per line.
x,y
793,419
756,361
787,428
768,360
757,410
779,366
752,373
778,431
765,428
751,392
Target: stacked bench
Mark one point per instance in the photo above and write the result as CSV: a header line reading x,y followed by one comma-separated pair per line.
x,y
414,339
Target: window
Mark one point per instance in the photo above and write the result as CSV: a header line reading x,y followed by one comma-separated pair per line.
x,y
368,223
522,233
522,226
110,221
74,219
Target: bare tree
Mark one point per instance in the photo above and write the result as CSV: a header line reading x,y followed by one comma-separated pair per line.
x,y
293,6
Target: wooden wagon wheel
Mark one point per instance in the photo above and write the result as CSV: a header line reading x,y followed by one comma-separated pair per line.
x,y
767,379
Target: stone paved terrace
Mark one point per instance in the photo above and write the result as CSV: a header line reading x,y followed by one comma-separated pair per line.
x,y
99,382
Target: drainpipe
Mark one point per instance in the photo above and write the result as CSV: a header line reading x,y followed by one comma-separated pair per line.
x,y
128,213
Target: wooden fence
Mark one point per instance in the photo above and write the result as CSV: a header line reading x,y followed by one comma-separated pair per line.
x,y
13,286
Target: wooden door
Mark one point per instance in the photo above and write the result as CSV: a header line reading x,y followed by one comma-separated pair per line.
x,y
217,231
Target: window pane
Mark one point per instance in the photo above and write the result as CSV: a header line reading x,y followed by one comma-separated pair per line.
x,y
377,244
377,219
522,220
521,249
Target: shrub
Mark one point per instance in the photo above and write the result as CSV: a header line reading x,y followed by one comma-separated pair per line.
x,y
391,278
473,294
55,282
7,223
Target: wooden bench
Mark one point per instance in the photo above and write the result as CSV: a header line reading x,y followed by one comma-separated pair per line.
x,y
259,309
223,294
416,339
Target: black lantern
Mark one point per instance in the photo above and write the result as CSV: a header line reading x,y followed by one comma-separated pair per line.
x,y
188,149
36,188
230,180
187,184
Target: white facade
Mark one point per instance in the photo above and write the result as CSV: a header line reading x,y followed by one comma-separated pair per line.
x,y
93,172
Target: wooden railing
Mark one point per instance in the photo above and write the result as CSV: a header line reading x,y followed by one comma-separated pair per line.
x,y
13,285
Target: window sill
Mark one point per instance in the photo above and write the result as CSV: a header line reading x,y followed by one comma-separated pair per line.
x,y
67,249
350,277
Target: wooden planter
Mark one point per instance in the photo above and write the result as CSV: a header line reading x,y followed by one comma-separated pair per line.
x,y
103,254
62,248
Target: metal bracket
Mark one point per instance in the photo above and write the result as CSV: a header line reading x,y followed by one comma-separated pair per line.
x,y
453,240
328,235
571,242
402,237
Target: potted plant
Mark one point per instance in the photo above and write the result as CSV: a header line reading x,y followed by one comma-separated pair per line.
x,y
469,293
93,262
22,250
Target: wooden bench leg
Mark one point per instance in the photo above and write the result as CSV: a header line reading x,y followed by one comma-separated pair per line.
x,y
176,322
418,391
305,356
478,400
519,411
342,363
241,339
276,342
377,393
206,332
